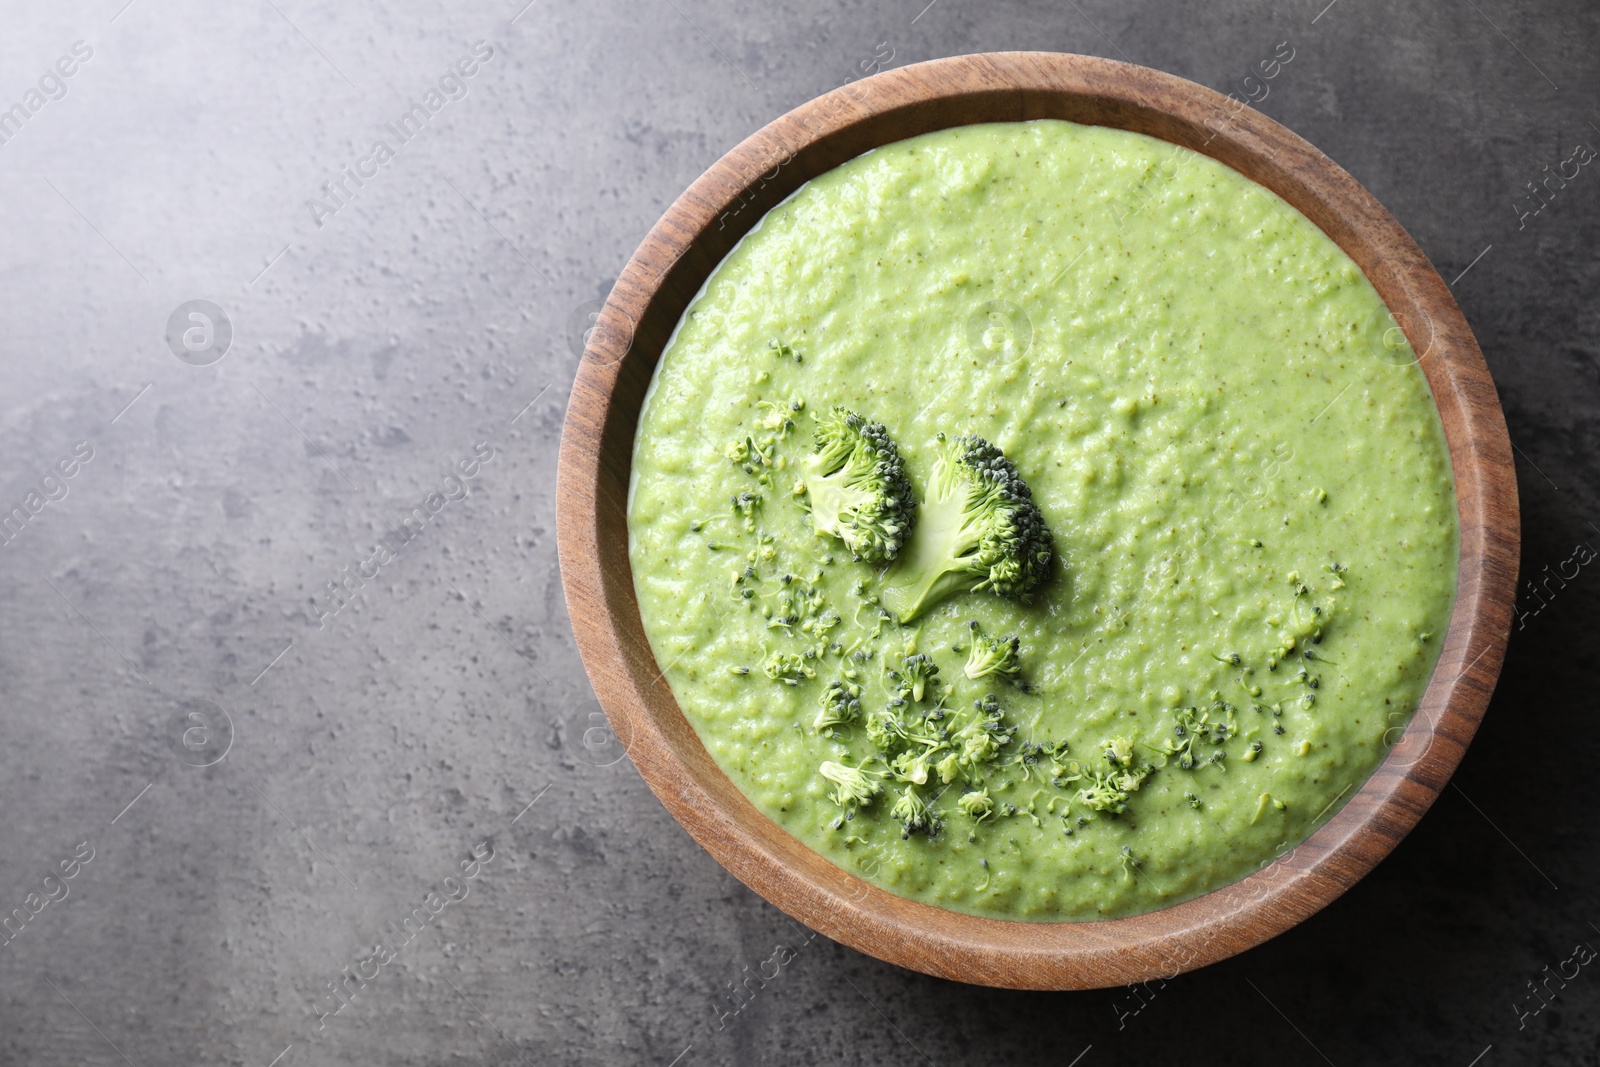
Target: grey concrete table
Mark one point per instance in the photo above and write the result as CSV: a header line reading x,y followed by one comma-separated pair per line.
x,y
283,651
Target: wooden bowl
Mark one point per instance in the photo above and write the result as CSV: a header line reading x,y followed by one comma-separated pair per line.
x,y
596,453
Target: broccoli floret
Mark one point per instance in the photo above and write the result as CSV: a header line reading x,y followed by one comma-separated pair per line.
x,y
918,674
841,705
1108,790
913,765
992,655
853,787
914,813
788,668
975,743
885,730
894,729
981,738
1119,752
1103,793
908,743
977,804
753,457
918,749
980,529
858,487
778,417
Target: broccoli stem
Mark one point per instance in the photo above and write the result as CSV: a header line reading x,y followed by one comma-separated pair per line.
x,y
936,562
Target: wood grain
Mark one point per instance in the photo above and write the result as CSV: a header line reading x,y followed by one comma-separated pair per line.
x,y
596,448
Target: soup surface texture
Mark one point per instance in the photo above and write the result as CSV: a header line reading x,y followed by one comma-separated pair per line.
x,y
1232,443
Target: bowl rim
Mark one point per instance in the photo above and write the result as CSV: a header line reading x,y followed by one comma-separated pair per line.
x,y
667,271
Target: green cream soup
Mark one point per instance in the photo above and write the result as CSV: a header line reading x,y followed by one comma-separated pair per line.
x,y
1245,477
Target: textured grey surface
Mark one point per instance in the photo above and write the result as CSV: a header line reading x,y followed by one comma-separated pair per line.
x,y
185,571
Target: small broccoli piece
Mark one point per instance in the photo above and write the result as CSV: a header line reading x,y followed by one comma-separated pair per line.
x,y
1261,805
857,486
788,668
963,751
1130,862
841,705
777,417
1119,752
750,455
981,738
978,747
1108,790
978,804
1214,725
744,505
854,787
992,655
913,746
896,728
979,529
1103,794
885,730
918,674
1132,778
800,604
914,813
1030,759
913,765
